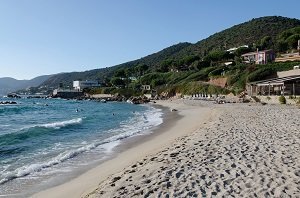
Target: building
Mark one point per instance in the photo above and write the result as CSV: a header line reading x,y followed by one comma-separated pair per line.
x,y
292,56
295,56
80,85
146,87
67,93
289,85
133,78
232,50
259,57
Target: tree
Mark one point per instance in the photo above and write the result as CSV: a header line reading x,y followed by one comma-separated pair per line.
x,y
198,65
190,59
117,82
106,81
142,68
120,73
165,65
215,55
241,50
266,43
281,46
292,41
129,72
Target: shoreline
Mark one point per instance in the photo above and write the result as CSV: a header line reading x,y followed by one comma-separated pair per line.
x,y
248,150
183,122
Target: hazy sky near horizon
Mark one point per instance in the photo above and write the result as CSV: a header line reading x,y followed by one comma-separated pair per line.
x,y
52,36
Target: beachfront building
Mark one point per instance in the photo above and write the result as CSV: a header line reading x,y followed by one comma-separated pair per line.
x,y
289,85
259,57
80,85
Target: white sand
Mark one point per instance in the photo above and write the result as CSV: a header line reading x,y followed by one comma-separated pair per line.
x,y
248,151
192,119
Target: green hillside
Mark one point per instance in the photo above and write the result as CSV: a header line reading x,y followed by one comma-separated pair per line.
x,y
248,33
200,58
103,73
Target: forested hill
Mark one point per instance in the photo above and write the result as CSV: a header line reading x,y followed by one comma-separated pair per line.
x,y
248,33
101,74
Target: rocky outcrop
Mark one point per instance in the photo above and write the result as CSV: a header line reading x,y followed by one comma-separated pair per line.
x,y
139,100
7,102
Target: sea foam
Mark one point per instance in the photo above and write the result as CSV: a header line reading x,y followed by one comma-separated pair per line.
x,y
139,124
58,125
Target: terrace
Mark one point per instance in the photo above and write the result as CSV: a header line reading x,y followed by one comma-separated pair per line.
x,y
289,85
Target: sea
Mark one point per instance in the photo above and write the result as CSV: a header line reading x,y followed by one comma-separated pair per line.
x,y
44,142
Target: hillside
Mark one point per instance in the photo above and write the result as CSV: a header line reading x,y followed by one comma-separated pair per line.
x,y
101,74
10,84
249,33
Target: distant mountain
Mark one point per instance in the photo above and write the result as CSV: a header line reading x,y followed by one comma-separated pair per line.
x,y
101,74
10,84
248,33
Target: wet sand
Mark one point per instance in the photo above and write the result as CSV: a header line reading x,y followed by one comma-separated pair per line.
x,y
245,150
177,124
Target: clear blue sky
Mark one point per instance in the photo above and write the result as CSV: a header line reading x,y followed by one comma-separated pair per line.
x,y
40,37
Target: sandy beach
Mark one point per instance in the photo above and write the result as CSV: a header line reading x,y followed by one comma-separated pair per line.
x,y
230,150
177,124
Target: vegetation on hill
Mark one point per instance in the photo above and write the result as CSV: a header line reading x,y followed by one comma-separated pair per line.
x,y
248,33
192,82
187,67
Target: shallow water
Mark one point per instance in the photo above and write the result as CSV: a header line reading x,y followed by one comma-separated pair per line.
x,y
43,139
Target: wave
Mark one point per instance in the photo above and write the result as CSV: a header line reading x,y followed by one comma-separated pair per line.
x,y
14,109
27,170
58,125
35,130
55,125
139,124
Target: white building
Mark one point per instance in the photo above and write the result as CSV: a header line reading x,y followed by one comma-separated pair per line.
x,y
80,85
146,87
232,50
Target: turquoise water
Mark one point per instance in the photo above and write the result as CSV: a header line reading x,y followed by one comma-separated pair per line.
x,y
41,140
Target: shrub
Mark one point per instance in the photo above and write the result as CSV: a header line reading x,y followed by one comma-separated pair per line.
x,y
218,71
282,100
298,101
268,98
261,73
